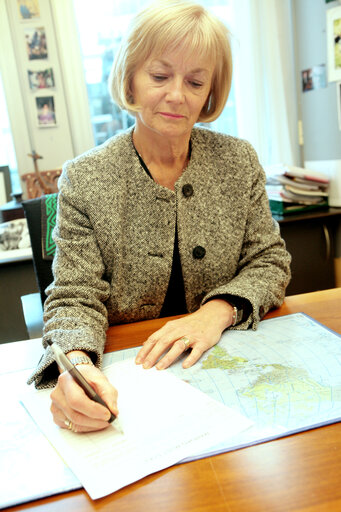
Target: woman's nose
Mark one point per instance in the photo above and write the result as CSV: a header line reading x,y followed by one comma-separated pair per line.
x,y
175,91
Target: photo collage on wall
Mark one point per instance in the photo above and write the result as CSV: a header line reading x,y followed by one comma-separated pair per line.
x,y
40,76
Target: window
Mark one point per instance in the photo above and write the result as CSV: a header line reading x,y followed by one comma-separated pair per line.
x,y
100,31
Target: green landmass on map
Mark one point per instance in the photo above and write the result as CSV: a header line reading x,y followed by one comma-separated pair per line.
x,y
281,392
219,358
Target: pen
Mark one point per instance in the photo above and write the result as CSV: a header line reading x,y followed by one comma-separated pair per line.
x,y
66,364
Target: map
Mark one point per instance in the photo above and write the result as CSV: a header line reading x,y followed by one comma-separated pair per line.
x,y
285,376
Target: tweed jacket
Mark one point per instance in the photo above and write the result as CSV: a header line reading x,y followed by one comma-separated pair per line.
x,y
115,238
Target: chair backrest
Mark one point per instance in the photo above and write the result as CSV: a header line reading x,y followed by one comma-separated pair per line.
x,y
41,218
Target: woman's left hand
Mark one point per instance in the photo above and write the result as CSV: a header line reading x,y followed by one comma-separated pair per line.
x,y
202,329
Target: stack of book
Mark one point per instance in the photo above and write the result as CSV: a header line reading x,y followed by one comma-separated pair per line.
x,y
293,189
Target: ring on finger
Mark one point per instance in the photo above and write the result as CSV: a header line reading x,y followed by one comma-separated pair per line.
x,y
69,425
185,341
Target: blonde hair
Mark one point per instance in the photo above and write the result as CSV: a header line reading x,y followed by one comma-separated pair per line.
x,y
167,25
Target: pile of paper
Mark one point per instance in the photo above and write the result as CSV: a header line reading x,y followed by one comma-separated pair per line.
x,y
162,421
292,189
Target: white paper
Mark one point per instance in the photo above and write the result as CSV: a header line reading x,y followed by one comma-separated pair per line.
x,y
162,420
24,450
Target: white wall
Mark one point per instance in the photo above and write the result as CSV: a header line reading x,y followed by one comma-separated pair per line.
x,y
72,133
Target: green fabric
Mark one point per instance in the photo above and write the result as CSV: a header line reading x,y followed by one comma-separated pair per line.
x,y
48,222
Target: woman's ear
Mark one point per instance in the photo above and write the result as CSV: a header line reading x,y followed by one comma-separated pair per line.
x,y
207,105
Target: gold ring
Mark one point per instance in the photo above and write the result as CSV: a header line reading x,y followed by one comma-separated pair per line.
x,y
68,424
185,341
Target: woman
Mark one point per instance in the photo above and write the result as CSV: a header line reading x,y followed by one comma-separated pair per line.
x,y
162,219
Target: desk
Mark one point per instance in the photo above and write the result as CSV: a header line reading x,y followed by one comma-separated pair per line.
x,y
300,472
17,278
313,240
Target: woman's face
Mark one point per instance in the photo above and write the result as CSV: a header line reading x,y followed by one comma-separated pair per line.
x,y
172,90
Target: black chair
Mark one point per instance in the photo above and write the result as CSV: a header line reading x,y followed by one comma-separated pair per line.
x,y
41,215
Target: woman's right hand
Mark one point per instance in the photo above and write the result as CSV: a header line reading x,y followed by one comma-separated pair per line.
x,y
73,409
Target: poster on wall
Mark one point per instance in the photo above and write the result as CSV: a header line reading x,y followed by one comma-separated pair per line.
x,y
36,45
42,79
46,114
334,43
28,9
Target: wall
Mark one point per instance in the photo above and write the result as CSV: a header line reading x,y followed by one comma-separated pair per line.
x,y
71,134
317,109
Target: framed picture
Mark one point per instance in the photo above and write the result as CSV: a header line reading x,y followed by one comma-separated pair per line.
x,y
28,9
313,78
338,92
334,43
46,115
43,79
36,46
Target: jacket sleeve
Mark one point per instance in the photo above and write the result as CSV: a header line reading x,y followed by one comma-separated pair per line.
x,y
263,271
75,315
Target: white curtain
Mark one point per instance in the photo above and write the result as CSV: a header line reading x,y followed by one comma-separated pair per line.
x,y
265,82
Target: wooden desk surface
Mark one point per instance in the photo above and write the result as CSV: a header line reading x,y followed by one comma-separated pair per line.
x,y
297,473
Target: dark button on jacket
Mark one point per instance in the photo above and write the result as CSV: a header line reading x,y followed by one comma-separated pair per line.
x,y
199,252
187,190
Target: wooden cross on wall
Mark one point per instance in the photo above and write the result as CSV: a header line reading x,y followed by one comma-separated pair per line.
x,y
45,187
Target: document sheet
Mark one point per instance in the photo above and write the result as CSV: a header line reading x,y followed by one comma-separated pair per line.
x,y
27,459
162,420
